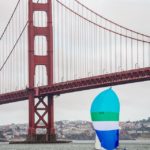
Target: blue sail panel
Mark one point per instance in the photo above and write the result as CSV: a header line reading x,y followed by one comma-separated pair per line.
x,y
109,139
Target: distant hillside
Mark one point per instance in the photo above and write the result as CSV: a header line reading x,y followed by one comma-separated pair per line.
x,y
2,137
79,130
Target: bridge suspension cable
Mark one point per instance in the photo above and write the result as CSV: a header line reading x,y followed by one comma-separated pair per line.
x,y
110,20
9,20
13,50
88,44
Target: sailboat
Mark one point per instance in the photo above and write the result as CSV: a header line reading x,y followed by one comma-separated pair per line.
x,y
105,118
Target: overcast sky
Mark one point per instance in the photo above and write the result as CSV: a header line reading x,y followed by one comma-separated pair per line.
x,y
134,98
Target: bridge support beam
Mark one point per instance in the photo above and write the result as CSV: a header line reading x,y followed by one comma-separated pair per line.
x,y
41,108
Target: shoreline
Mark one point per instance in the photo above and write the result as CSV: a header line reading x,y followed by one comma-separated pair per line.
x,y
137,141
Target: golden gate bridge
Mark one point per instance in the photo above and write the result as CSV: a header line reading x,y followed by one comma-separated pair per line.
x,y
51,47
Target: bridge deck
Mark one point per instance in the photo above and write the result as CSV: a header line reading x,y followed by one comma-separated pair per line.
x,y
124,77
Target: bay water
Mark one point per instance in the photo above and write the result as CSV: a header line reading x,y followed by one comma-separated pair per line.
x,y
76,145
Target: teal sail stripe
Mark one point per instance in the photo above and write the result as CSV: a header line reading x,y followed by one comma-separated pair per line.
x,y
107,101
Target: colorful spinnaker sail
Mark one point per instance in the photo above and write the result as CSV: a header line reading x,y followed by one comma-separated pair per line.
x,y
105,117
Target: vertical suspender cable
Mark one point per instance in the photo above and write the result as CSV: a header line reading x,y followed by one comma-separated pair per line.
x,y
110,49
137,52
101,47
131,51
121,49
66,47
126,51
94,47
88,45
43,49
19,58
84,42
115,49
62,48
143,52
75,44
91,48
71,46
83,45
105,50
78,56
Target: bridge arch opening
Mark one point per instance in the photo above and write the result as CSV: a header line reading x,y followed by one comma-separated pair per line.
x,y
40,77
40,19
40,46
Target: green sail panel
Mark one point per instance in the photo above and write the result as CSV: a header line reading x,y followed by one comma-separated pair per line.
x,y
105,116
